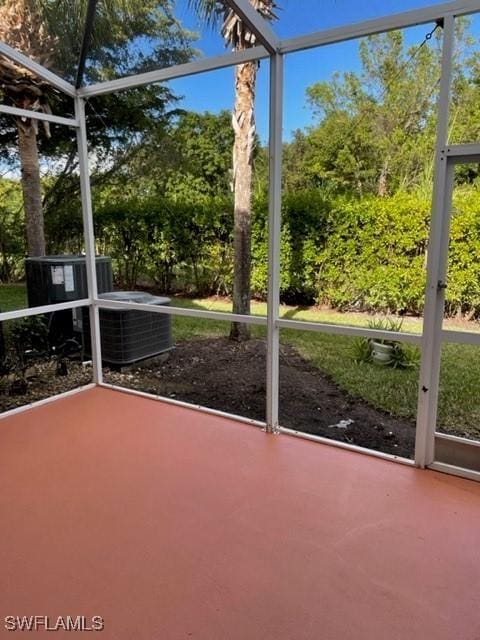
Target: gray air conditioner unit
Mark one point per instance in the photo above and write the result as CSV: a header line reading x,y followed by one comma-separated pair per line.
x,y
55,279
52,279
128,335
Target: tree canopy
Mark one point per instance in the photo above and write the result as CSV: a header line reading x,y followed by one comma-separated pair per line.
x,y
356,188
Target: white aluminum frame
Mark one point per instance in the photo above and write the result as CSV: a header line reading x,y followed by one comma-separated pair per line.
x,y
450,157
89,237
446,156
38,115
349,447
257,25
460,337
22,60
347,330
48,308
274,233
172,73
180,311
402,20
452,470
436,268
460,452
40,403
186,405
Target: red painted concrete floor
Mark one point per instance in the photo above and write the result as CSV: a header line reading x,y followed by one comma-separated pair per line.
x,y
173,524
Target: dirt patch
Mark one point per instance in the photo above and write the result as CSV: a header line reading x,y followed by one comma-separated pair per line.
x,y
42,382
230,376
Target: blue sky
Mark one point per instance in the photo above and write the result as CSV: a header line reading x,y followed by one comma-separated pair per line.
x,y
214,91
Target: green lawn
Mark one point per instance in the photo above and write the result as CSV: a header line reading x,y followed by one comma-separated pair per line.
x,y
12,296
390,389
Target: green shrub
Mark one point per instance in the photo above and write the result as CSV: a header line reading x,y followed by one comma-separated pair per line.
x,y
304,218
462,295
376,252
367,254
374,256
178,246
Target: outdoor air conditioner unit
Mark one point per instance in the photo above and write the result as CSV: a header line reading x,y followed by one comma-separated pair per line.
x,y
127,335
53,279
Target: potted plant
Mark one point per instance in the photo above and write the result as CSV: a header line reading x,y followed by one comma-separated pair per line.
x,y
383,350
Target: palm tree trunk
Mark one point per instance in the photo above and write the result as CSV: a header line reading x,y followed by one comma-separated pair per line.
x,y
31,187
382,187
243,120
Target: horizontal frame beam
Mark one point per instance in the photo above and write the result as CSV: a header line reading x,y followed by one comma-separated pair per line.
x,y
256,23
38,115
48,308
180,311
452,470
379,25
458,452
463,150
185,405
460,337
332,329
39,403
345,445
262,321
462,153
457,439
178,71
42,72
347,330
256,423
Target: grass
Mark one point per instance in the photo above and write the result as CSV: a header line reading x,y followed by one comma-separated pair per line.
x,y
12,296
392,390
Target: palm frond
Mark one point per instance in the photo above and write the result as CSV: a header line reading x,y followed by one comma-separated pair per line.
x,y
23,28
236,34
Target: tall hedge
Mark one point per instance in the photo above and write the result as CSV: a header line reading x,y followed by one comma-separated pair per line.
x,y
463,279
374,256
178,246
368,254
304,218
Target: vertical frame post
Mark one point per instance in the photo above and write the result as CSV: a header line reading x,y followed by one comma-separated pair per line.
x,y
436,266
274,230
89,236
